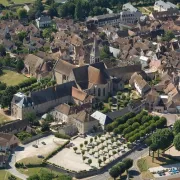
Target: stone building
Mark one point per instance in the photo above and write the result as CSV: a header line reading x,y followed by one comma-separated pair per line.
x,y
41,101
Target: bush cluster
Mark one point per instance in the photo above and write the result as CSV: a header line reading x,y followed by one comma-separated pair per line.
x,y
63,136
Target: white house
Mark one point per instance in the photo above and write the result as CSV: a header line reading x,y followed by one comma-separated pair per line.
x,y
163,6
103,119
43,21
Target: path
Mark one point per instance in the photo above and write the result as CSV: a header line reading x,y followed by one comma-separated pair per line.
x,y
12,169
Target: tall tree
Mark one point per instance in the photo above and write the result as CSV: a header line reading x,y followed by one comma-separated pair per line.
x,y
114,172
22,13
176,127
20,65
78,10
177,142
2,50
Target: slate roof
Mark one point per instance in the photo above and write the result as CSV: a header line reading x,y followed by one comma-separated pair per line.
x,y
102,118
52,93
14,125
116,114
63,67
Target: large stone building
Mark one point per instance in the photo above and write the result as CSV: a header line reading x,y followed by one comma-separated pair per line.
x,y
93,79
124,17
41,101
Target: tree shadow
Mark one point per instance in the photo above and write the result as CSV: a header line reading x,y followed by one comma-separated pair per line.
x,y
133,173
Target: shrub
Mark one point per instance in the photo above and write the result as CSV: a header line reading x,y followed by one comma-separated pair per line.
x,y
63,136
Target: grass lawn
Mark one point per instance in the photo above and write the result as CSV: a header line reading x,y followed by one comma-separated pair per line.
x,y
12,78
5,174
6,3
31,160
36,170
3,118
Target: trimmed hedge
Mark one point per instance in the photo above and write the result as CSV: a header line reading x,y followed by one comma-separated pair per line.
x,y
56,151
63,136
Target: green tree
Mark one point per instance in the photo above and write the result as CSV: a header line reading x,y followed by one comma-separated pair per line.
x,y
89,161
11,177
176,127
169,35
114,172
20,65
49,118
7,96
177,142
162,139
75,149
153,148
99,162
78,10
45,126
33,177
22,35
31,117
22,13
128,163
2,50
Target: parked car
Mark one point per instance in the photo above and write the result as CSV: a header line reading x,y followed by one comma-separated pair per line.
x,y
35,145
40,156
43,143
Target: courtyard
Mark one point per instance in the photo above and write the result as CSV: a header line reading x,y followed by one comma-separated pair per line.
x,y
25,153
91,152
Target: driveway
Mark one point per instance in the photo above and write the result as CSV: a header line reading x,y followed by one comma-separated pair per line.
x,y
25,151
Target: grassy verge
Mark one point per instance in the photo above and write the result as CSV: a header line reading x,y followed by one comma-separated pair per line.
x,y
12,78
31,160
5,174
37,170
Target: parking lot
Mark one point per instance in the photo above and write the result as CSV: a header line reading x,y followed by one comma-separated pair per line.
x,y
26,151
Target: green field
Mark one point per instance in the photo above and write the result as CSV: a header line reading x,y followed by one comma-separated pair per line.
x,y
12,78
3,118
31,160
5,174
6,3
32,171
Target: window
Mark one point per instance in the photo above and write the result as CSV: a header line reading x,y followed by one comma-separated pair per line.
x,y
99,92
104,92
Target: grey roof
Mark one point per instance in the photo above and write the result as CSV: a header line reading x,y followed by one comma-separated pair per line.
x,y
102,118
45,95
52,93
130,7
14,125
116,114
44,18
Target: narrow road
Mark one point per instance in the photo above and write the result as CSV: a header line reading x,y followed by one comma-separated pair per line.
x,y
12,169
133,171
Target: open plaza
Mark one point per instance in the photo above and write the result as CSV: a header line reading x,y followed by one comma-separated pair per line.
x,y
92,152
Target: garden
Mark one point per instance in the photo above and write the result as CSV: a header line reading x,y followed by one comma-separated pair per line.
x,y
135,127
120,100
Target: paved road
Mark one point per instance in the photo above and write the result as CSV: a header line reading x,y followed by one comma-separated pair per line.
x,y
133,171
12,169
